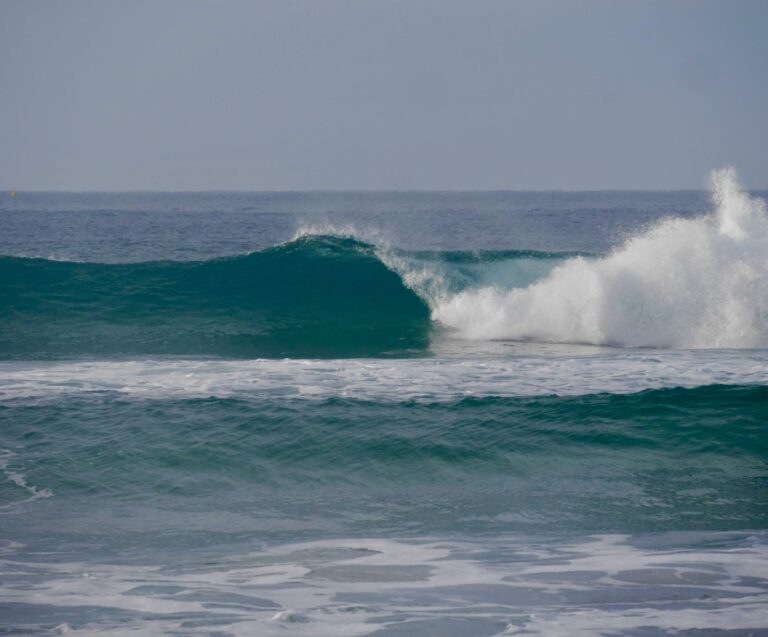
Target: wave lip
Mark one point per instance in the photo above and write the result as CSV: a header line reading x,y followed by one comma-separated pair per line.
x,y
686,283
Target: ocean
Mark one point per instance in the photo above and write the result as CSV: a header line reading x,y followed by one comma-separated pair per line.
x,y
388,414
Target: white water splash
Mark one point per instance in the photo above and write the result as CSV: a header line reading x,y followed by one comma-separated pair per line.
x,y
686,283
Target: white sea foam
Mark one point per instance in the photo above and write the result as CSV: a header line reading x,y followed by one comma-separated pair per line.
x,y
685,283
656,585
431,379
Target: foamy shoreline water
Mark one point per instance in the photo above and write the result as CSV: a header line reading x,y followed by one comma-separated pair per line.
x,y
659,584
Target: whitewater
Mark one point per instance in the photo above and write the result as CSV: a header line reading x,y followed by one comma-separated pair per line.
x,y
684,283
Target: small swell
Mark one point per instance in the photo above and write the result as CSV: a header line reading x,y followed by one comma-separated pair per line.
x,y
346,440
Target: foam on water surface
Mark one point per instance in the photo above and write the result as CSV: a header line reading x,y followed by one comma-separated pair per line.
x,y
623,585
432,379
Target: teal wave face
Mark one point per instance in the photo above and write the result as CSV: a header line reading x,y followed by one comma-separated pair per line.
x,y
318,296
666,459
313,297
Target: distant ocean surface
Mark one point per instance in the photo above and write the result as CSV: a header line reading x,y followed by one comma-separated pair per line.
x,y
390,414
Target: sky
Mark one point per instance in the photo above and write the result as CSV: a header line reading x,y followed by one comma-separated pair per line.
x,y
381,94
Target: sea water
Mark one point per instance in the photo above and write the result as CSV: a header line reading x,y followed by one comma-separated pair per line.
x,y
391,414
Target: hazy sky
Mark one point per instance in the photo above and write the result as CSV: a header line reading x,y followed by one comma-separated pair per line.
x,y
381,94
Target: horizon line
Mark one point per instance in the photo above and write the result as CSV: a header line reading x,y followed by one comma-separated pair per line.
x,y
8,191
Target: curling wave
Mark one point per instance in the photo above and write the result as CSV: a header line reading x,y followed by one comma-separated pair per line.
x,y
315,296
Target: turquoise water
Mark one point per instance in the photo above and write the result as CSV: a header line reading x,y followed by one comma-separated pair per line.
x,y
657,459
316,296
386,414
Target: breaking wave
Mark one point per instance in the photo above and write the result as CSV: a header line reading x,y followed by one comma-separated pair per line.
x,y
333,292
